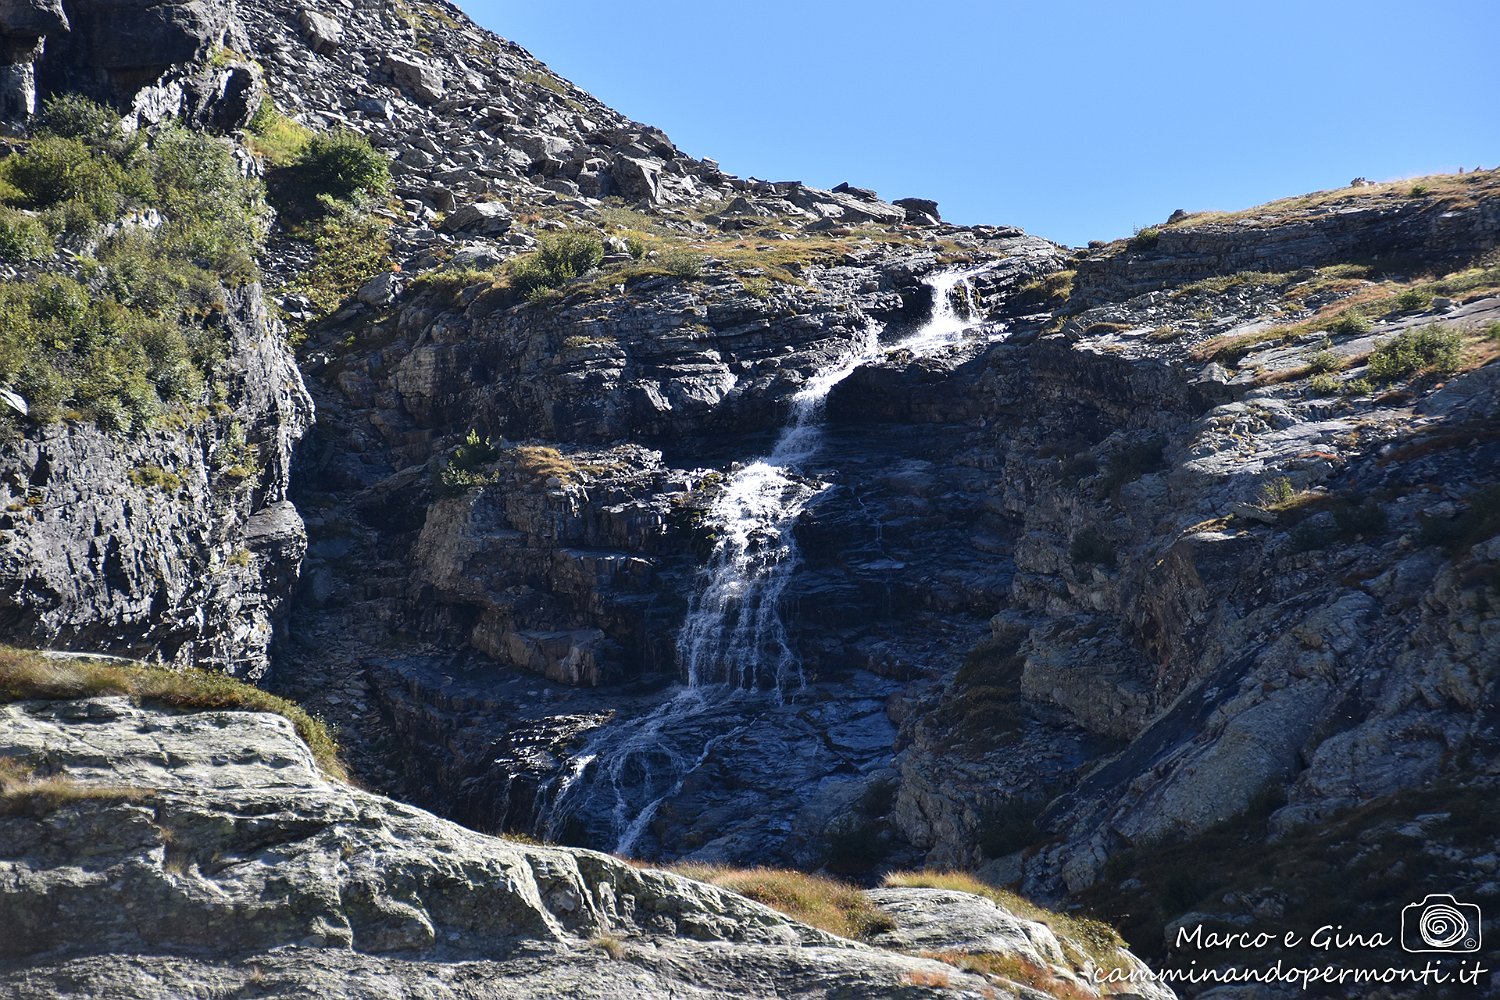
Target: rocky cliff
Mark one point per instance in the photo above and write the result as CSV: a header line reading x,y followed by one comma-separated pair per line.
x,y
1176,546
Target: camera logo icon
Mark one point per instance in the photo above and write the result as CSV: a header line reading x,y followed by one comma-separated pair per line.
x,y
1440,923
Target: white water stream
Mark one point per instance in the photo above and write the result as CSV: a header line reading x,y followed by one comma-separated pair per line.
x,y
733,639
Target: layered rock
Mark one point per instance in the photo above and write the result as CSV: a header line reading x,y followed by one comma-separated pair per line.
x,y
173,544
216,826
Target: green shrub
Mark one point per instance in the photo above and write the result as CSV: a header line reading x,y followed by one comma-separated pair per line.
x,y
23,238
53,170
1352,322
157,478
1277,492
1359,387
215,218
278,139
343,165
1413,299
558,259
1145,238
1323,362
1435,348
681,263
73,116
349,248
468,466
1324,384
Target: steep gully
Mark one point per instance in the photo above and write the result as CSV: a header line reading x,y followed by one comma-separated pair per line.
x,y
735,657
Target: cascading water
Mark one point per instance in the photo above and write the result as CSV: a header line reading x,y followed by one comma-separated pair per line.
x,y
733,633
733,645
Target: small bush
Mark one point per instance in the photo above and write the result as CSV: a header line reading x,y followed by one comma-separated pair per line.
x,y
1359,387
1324,385
73,116
349,248
1323,362
468,466
157,478
681,263
610,944
1145,238
134,330
558,259
278,139
54,170
1277,492
1413,299
343,165
1435,348
1351,322
23,238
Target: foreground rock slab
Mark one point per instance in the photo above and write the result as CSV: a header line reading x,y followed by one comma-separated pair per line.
x,y
186,854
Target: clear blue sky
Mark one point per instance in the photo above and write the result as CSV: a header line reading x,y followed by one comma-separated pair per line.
x,y
1075,120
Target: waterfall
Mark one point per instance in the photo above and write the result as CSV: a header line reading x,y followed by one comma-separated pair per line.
x,y
733,633
733,644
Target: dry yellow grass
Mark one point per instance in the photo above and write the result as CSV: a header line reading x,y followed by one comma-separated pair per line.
x,y
22,793
26,675
829,904
544,462
1013,969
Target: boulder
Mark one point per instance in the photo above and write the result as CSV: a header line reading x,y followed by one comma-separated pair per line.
x,y
919,211
324,33
185,831
481,218
635,179
863,194
425,82
380,291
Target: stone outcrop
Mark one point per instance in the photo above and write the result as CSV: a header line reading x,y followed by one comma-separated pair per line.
x,y
177,545
221,825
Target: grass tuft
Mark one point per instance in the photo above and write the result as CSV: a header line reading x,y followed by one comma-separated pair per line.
x,y
22,793
828,904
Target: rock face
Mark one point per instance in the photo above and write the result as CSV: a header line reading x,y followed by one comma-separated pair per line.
x,y
164,545
220,824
